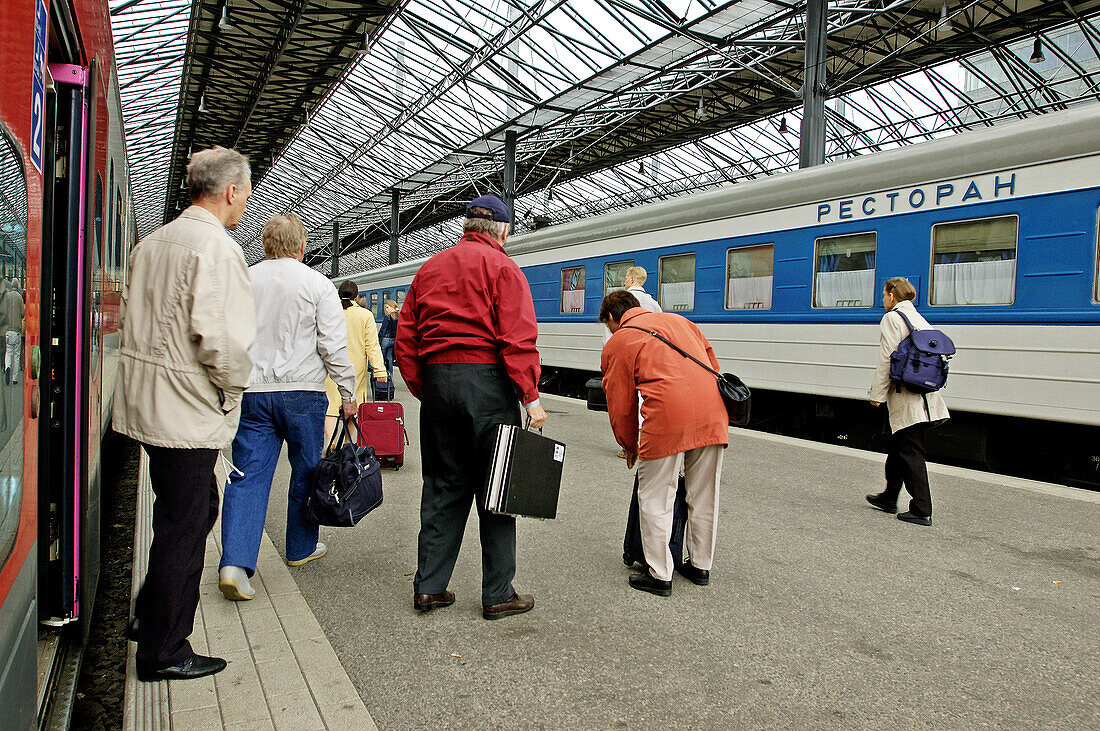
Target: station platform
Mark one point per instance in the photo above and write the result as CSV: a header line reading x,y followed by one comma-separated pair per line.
x,y
821,611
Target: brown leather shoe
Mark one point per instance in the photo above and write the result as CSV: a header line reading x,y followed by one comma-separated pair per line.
x,y
516,605
426,602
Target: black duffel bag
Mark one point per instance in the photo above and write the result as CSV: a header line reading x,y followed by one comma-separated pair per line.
x,y
347,482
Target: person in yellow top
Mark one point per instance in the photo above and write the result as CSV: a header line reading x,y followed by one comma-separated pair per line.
x,y
363,348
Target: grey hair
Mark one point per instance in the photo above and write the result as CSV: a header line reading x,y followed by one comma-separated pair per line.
x,y
496,229
639,274
210,171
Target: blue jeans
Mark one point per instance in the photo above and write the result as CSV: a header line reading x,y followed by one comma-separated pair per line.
x,y
267,419
387,355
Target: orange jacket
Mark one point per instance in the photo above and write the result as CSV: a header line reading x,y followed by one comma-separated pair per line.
x,y
681,406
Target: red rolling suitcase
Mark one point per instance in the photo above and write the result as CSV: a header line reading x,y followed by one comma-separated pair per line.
x,y
382,426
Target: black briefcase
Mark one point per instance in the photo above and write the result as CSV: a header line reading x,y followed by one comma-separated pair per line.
x,y
347,483
525,474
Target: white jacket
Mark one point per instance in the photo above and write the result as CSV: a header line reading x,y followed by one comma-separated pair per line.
x,y
646,302
906,408
301,335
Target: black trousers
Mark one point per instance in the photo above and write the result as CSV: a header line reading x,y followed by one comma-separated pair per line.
x,y
184,511
905,465
461,406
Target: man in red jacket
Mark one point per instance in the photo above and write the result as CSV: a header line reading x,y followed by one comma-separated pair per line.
x,y
684,423
466,348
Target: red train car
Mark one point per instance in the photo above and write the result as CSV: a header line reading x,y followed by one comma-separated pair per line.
x,y
65,231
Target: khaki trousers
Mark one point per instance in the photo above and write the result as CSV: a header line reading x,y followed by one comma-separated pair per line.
x,y
657,481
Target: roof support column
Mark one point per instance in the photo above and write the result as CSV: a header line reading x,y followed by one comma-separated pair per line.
x,y
811,149
395,222
510,172
334,260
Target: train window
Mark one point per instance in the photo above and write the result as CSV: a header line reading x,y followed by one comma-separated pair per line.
x,y
385,298
1096,275
749,277
13,251
374,307
572,289
613,275
844,270
399,298
974,262
676,290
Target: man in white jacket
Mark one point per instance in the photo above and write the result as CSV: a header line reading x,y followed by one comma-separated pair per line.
x,y
301,337
632,282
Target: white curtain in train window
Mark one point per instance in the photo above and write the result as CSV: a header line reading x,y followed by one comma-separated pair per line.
x,y
974,283
572,290
749,278
677,282
844,271
974,262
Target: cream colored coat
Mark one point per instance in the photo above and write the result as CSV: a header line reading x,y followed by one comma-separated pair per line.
x,y
906,408
187,323
363,349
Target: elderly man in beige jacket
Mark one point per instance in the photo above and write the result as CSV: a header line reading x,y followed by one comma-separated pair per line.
x,y
187,324
910,413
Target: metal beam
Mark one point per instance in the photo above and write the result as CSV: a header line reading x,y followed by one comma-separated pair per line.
x,y
395,223
510,171
811,146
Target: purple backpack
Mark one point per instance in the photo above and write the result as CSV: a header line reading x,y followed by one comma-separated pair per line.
x,y
920,361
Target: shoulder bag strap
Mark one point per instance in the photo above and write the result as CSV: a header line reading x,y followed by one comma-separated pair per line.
x,y
677,348
907,323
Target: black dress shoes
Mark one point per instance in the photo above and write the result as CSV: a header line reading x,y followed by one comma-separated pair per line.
x,y
518,604
699,577
646,582
883,503
196,666
911,517
426,602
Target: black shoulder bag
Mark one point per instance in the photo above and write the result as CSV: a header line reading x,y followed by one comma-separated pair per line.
x,y
735,394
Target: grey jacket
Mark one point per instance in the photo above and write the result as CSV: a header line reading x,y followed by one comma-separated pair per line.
x,y
187,324
906,408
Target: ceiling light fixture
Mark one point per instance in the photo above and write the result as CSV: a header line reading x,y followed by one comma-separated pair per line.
x,y
782,124
699,109
225,23
365,49
945,20
641,167
1037,51
202,103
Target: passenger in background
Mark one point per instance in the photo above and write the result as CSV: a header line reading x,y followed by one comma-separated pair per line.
x,y
684,425
466,349
302,337
632,282
363,351
187,323
11,315
387,334
910,413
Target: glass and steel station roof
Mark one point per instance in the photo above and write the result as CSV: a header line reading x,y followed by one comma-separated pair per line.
x,y
615,103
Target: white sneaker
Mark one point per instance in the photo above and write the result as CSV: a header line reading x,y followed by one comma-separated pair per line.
x,y
234,583
317,553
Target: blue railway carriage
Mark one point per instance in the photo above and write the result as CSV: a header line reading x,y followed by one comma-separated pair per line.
x,y
997,229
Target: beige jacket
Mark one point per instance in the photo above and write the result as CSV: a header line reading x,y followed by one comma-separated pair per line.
x,y
363,350
906,408
187,323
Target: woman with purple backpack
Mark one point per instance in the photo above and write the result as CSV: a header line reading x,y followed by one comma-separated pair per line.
x,y
911,412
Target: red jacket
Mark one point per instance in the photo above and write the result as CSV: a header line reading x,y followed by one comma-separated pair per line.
x,y
470,304
681,406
